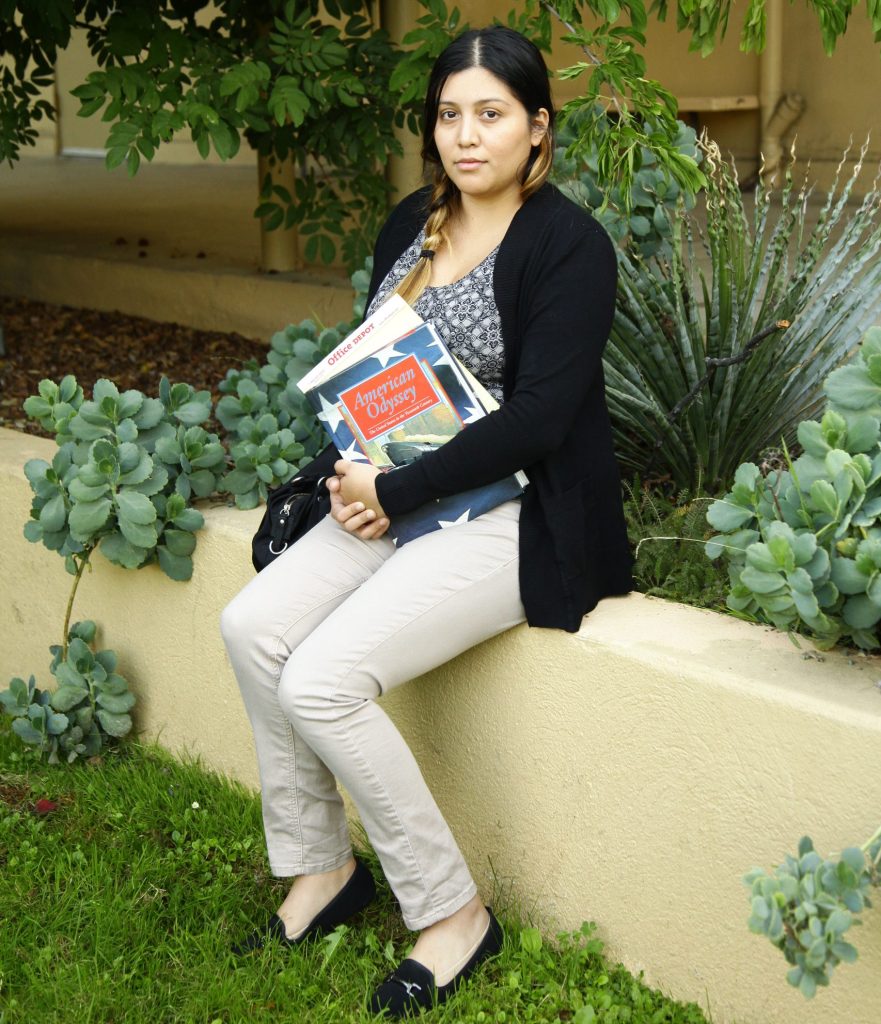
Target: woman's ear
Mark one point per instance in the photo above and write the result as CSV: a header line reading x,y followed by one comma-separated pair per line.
x,y
538,125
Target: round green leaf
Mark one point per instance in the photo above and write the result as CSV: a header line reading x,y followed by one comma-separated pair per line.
x,y
136,507
114,725
116,703
138,534
65,698
761,582
83,492
53,514
847,576
179,542
56,724
860,612
87,517
188,519
850,387
178,567
26,732
725,516
120,551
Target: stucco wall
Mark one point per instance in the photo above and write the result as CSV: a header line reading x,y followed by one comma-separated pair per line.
x,y
628,774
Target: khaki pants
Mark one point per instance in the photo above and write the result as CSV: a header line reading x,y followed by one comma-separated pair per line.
x,y
314,639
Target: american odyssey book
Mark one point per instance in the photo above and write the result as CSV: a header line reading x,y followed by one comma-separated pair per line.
x,y
395,404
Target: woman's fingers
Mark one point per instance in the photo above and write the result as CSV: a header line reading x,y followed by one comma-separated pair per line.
x,y
374,530
354,517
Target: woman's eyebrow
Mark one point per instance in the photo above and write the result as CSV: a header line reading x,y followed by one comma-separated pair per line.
x,y
477,103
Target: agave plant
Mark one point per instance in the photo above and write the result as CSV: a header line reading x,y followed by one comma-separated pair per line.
x,y
706,368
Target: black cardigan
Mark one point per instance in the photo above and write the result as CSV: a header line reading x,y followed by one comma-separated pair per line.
x,y
554,286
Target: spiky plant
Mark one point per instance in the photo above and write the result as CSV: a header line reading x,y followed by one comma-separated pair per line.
x,y
712,360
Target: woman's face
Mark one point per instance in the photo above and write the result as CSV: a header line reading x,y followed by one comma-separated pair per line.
x,y
484,134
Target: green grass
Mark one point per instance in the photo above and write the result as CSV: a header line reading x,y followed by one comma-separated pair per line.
x,y
119,906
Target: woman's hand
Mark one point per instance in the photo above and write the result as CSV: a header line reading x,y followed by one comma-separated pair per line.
x,y
358,483
354,516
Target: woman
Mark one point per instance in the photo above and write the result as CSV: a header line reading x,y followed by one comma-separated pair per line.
x,y
521,284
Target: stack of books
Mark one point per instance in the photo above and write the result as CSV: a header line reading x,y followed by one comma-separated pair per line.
x,y
391,392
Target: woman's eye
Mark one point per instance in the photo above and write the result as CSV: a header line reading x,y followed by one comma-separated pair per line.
x,y
447,115
491,115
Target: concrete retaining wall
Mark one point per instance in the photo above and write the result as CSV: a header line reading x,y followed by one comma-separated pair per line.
x,y
629,774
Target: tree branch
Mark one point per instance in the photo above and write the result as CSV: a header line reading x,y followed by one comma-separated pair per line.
x,y
591,56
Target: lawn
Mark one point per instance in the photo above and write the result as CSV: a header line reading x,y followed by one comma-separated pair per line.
x,y
124,881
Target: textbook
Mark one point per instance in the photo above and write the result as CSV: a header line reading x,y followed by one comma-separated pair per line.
x,y
388,399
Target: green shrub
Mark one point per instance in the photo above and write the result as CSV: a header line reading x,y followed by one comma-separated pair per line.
x,y
806,906
642,219
675,568
803,545
272,430
121,482
123,475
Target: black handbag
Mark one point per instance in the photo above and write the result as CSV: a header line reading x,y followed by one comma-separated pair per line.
x,y
293,509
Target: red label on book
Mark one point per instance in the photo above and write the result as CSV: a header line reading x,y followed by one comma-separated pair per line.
x,y
391,397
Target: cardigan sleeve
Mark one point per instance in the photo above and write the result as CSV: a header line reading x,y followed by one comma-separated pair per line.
x,y
566,307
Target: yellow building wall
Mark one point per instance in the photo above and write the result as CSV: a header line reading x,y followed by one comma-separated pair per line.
x,y
842,91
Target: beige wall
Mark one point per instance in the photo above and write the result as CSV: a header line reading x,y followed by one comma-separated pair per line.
x,y
628,774
842,92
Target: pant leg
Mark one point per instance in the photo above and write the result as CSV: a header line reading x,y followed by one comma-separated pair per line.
x,y
436,597
303,816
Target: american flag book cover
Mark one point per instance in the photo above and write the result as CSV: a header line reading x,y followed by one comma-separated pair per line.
x,y
404,400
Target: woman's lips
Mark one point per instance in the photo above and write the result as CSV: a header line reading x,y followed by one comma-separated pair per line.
x,y
469,165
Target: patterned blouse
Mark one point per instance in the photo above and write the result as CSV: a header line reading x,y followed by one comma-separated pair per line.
x,y
463,313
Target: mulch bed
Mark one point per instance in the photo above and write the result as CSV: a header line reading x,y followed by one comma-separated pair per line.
x,y
45,340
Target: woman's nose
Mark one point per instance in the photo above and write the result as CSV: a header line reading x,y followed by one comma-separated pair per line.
x,y
468,134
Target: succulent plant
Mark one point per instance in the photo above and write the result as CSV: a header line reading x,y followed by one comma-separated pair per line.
x,y
90,704
805,907
804,544
272,428
124,473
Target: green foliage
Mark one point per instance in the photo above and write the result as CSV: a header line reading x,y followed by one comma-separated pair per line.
x,y
668,534
694,384
804,545
124,473
88,708
277,75
292,78
642,220
807,905
272,428
645,112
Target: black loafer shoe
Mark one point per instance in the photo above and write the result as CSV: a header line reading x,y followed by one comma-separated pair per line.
x,y
354,896
410,988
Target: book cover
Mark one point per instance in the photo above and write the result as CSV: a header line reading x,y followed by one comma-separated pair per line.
x,y
390,321
390,407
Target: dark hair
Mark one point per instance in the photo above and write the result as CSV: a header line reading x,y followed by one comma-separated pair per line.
x,y
517,62
508,55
